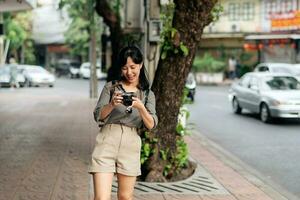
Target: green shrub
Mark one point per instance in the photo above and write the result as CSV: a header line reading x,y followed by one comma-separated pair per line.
x,y
208,64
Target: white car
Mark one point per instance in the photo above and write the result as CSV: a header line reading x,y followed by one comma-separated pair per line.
x,y
11,74
85,71
74,70
37,76
296,71
292,69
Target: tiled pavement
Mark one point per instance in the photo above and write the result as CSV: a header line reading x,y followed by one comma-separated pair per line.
x,y
45,143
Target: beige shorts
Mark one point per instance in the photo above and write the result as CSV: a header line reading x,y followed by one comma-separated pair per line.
x,y
117,150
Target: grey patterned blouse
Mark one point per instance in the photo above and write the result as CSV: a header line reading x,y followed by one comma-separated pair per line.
x,y
119,115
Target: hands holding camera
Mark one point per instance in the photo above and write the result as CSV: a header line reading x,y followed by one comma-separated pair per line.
x,y
116,99
128,99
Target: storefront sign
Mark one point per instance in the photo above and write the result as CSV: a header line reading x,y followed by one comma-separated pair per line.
x,y
289,21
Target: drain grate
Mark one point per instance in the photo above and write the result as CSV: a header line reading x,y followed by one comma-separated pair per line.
x,y
201,182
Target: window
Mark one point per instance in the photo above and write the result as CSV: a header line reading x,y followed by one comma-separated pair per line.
x,y
273,7
248,11
287,6
263,69
234,11
280,83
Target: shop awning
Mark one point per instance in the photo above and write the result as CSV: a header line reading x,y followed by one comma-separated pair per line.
x,y
222,35
16,5
272,36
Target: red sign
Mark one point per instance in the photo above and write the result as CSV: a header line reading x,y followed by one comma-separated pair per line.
x,y
57,48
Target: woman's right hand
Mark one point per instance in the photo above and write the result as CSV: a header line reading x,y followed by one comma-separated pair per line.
x,y
116,99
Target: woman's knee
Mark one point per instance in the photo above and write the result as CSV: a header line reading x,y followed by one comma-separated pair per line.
x,y
101,198
125,196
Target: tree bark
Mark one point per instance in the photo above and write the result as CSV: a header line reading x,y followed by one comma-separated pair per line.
x,y
112,20
190,18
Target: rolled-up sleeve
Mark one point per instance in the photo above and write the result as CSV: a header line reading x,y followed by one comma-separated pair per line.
x,y
150,106
102,101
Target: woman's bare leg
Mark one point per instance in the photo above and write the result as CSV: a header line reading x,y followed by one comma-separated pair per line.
x,y
125,187
102,185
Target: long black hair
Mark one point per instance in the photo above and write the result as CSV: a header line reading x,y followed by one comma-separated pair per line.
x,y
137,57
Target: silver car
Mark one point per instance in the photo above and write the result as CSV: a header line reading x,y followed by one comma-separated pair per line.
x,y
269,94
37,76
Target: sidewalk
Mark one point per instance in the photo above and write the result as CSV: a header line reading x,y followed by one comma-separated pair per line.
x,y
45,144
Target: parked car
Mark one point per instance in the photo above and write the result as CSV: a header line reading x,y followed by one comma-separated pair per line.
x,y
74,70
296,71
274,67
269,94
67,67
85,71
37,76
11,75
292,69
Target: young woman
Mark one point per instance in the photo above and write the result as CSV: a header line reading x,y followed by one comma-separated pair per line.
x,y
118,145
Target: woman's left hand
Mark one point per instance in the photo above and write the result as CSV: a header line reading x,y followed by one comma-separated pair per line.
x,y
137,103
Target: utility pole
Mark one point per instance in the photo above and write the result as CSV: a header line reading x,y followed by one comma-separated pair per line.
x,y
153,28
92,53
2,61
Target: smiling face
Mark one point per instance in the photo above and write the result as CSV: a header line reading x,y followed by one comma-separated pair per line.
x,y
131,71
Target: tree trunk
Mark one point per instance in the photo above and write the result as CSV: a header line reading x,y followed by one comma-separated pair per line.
x,y
170,79
117,37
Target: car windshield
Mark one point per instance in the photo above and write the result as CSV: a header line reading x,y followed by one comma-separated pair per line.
x,y
75,64
280,83
36,70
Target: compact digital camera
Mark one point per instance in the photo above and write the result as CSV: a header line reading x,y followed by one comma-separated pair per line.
x,y
127,98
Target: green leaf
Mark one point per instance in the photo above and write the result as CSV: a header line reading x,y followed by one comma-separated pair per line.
x,y
173,32
163,154
163,55
184,49
154,139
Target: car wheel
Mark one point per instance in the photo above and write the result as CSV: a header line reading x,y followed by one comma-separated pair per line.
x,y
265,113
236,106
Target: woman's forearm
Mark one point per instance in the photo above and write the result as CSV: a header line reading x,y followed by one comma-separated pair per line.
x,y
106,110
147,118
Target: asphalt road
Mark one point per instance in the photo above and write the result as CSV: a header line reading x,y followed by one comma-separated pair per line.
x,y
271,149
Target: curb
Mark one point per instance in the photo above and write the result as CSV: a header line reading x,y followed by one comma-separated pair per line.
x,y
274,190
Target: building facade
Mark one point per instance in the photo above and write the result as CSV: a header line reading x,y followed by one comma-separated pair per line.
x,y
10,6
265,30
